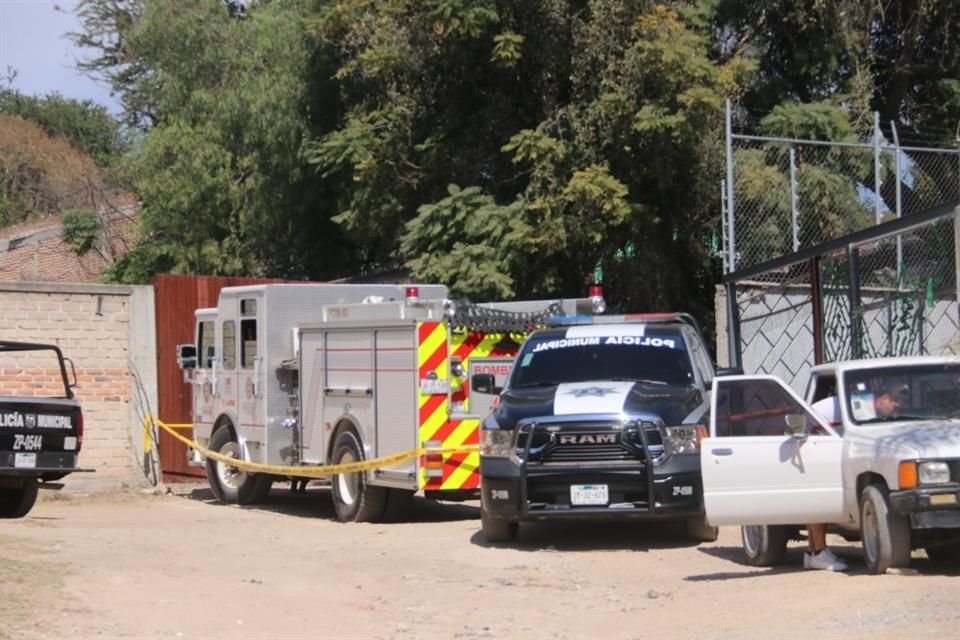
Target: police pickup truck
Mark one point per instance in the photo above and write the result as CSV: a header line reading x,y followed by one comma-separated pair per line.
x,y
601,417
881,465
41,425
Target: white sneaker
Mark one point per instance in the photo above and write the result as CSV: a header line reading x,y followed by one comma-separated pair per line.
x,y
823,560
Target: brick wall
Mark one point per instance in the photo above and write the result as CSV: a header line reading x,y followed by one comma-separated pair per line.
x,y
107,331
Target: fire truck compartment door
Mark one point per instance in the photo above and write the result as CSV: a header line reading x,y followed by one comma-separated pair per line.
x,y
395,393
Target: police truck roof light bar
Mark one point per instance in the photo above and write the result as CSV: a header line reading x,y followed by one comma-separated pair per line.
x,y
560,321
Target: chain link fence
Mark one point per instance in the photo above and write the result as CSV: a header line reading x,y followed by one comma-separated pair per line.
x,y
838,250
793,194
890,290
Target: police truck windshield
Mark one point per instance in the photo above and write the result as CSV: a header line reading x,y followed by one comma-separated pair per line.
x,y
654,355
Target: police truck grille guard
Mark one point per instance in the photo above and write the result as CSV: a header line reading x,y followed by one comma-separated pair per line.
x,y
618,441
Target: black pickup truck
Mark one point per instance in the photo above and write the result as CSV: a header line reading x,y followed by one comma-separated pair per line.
x,y
41,424
601,417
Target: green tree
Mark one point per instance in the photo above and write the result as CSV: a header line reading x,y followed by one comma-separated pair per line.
x,y
588,128
219,172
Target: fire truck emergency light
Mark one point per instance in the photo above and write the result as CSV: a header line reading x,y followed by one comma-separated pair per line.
x,y
597,302
412,296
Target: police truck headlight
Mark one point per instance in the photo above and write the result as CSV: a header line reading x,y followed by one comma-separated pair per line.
x,y
683,439
933,472
496,443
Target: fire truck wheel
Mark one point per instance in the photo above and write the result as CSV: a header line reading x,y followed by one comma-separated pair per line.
x,y
497,530
229,484
353,499
16,502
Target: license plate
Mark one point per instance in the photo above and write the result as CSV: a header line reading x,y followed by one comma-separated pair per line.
x,y
588,494
434,386
25,460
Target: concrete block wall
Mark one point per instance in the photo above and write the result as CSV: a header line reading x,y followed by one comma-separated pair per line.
x,y
108,333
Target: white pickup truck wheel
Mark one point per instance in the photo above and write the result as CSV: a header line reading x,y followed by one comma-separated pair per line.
x,y
886,535
16,502
764,545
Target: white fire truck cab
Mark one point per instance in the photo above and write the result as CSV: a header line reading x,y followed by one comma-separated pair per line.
x,y
301,375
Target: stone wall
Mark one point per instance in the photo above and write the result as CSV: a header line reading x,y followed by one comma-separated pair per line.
x,y
108,332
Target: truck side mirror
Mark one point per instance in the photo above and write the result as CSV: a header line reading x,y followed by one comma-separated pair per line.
x,y
484,383
186,356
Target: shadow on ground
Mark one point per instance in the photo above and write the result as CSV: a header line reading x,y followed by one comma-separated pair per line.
x,y
593,536
851,554
317,502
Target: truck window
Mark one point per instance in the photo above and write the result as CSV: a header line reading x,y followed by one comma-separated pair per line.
x,y
700,355
35,373
920,391
229,345
660,356
206,349
755,408
824,386
248,343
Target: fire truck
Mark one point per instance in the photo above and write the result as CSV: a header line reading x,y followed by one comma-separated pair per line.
x,y
309,375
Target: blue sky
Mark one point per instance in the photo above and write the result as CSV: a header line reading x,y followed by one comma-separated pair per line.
x,y
32,42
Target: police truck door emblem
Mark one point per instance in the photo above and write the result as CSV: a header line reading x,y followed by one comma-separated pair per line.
x,y
591,391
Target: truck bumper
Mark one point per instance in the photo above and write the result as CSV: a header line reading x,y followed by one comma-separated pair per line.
x,y
511,492
46,463
933,508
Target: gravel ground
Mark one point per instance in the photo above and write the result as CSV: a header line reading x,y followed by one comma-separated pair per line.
x,y
178,565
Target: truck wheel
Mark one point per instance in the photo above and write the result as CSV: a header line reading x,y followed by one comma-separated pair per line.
x,y
353,498
886,535
700,530
16,502
764,545
497,530
229,484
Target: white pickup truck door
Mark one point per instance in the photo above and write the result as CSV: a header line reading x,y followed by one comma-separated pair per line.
x,y
755,471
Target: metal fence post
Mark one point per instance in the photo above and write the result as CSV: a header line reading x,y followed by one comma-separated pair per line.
x,y
896,164
876,166
956,255
853,293
794,213
733,326
731,209
724,226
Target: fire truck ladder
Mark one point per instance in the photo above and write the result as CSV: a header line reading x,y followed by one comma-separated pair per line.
x,y
468,316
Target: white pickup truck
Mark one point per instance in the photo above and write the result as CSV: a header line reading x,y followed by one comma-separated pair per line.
x,y
772,463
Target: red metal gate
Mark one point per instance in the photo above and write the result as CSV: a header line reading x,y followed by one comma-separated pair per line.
x,y
176,297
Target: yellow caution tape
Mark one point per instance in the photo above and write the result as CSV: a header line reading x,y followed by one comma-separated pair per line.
x,y
305,471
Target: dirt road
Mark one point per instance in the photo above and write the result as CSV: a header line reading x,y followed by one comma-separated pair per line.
x,y
134,565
